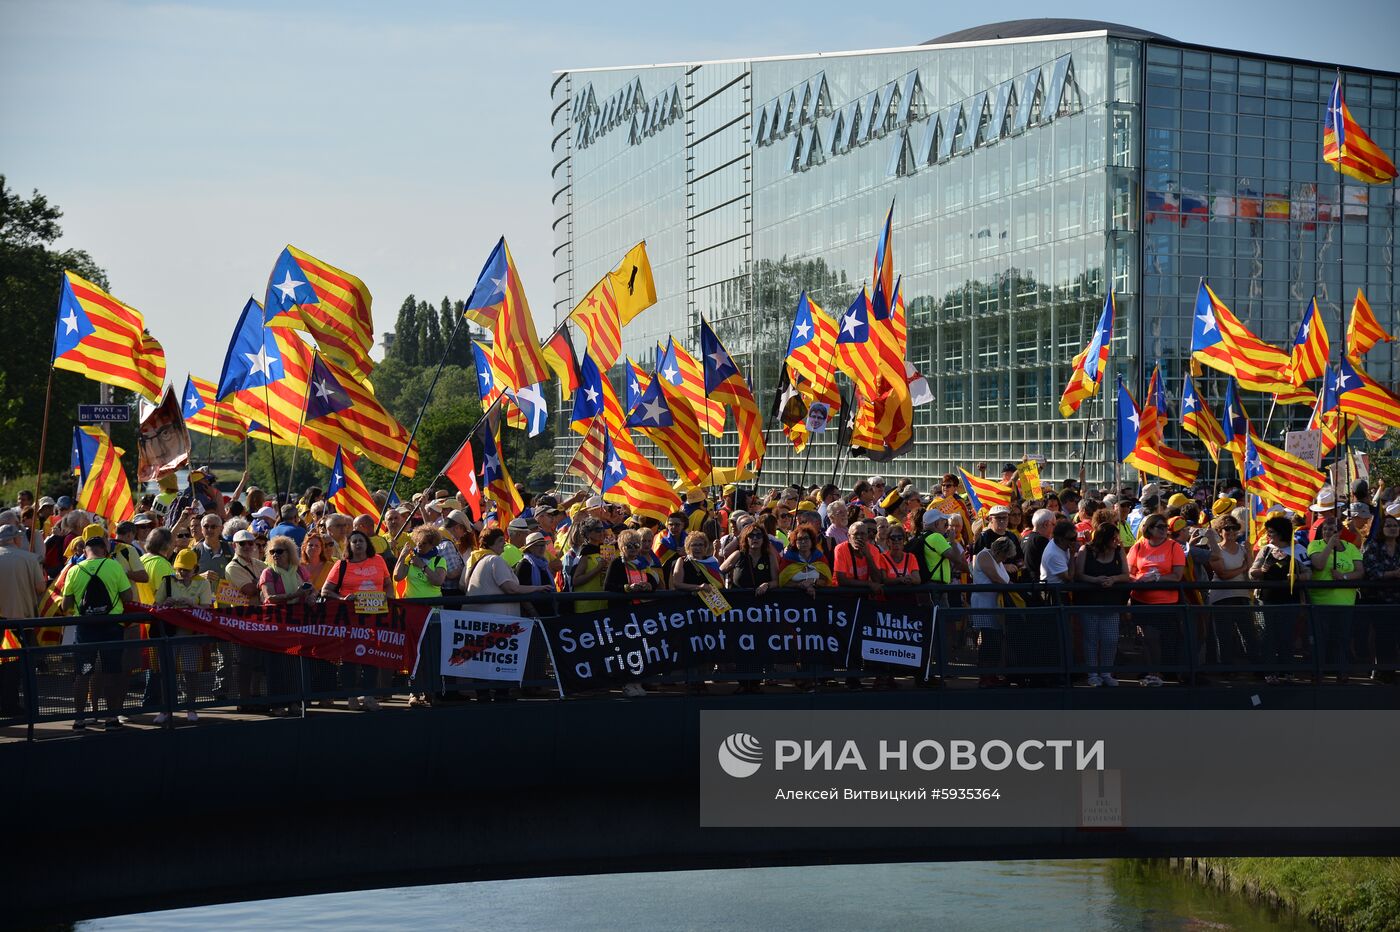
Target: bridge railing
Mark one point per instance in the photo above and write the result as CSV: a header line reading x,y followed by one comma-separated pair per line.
x,y
1034,638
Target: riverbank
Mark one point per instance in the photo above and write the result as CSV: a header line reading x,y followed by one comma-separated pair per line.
x,y
1335,894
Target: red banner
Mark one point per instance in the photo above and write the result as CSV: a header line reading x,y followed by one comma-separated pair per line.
x,y
330,631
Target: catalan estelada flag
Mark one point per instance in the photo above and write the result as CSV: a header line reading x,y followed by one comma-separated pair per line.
x,y
683,373
207,416
587,461
346,490
725,383
633,380
646,490
1325,416
1086,371
487,388
597,316
102,486
304,293
633,285
1360,395
1347,148
1197,419
1221,341
588,400
496,478
811,349
984,493
1278,476
857,347
1311,347
882,292
106,340
345,409
1363,329
666,418
498,301
1234,426
1149,453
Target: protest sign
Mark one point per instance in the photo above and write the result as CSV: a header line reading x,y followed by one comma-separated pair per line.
x,y
1304,444
893,633
330,631
484,645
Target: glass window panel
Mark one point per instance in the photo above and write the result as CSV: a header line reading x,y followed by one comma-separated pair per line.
x,y
1004,95
1027,100
1055,92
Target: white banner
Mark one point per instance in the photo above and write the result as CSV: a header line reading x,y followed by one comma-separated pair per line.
x,y
1304,444
484,645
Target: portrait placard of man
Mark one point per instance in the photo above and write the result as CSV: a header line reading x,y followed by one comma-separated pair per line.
x,y
162,441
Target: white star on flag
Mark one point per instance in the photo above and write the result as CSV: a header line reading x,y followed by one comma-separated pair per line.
x,y
288,286
500,284
1133,419
1340,382
1188,403
849,323
591,394
670,374
652,411
1303,331
323,390
803,330
1208,321
721,360
71,321
634,386
615,465
192,401
260,362
493,463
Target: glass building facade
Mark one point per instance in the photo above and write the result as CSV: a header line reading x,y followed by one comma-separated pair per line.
x,y
1028,177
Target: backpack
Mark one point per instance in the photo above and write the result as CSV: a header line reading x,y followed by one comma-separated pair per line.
x,y
96,599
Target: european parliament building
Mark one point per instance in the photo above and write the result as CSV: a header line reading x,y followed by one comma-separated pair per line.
x,y
1033,165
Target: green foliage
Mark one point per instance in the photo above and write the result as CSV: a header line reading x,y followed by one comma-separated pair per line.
x,y
1385,460
30,274
1360,894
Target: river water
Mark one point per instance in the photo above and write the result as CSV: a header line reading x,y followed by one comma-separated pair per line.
x,y
972,896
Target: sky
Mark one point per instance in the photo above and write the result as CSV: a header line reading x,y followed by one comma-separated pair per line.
x,y
188,142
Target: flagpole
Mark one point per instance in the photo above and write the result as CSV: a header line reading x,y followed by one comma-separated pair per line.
x,y
44,432
271,447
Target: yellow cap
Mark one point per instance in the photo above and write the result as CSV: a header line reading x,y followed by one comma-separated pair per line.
x,y
1178,500
94,532
730,489
186,560
168,482
1223,506
1176,524
805,505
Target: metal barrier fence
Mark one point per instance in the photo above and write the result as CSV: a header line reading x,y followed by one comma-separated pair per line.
x,y
1042,643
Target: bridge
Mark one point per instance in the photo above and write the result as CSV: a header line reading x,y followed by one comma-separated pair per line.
x,y
246,807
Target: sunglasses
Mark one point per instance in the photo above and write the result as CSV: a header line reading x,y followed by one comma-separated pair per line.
x,y
1229,527
278,551
897,537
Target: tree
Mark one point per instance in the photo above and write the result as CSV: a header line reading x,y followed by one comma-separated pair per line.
x,y
30,275
405,346
430,345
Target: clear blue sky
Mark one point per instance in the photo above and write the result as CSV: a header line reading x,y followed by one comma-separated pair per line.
x,y
187,142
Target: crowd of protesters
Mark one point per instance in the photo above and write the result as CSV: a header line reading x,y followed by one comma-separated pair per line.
x,y
201,547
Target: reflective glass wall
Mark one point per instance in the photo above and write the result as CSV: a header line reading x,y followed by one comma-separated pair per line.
x,y
1237,193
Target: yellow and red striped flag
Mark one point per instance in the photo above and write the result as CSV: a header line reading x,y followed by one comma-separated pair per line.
x,y
1197,418
1347,148
1087,368
207,416
597,316
498,301
858,351
811,349
683,373
1278,476
102,486
725,384
304,293
665,417
1311,347
343,408
646,489
587,461
102,338
1220,340
1359,394
1364,330
1151,453
984,493
500,488
346,490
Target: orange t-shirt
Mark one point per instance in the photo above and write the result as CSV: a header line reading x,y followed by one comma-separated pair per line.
x,y
1165,558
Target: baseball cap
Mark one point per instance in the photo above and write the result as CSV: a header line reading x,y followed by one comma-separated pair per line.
x,y
933,516
1178,500
94,532
1393,509
245,536
142,519
1358,510
806,506
65,502
186,560
594,501
9,531
1176,524
998,510
266,511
